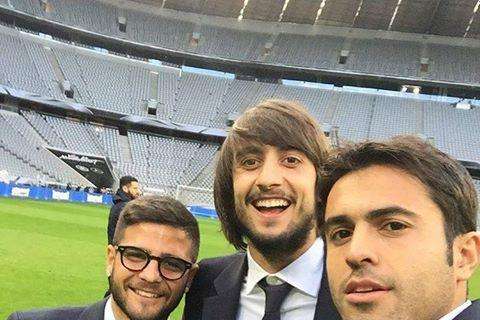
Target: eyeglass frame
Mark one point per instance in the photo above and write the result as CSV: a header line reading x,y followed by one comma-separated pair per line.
x,y
121,249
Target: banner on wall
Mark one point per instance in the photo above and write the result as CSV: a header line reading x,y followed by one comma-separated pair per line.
x,y
60,195
20,192
94,198
96,169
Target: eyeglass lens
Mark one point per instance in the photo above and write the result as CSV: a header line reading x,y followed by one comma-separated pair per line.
x,y
136,259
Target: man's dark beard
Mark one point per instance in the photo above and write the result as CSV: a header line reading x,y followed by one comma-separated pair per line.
x,y
117,296
277,248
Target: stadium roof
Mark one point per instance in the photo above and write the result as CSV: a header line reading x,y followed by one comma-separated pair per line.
x,y
457,18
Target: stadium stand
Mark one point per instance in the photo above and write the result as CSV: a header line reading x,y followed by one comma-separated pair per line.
x,y
21,141
317,51
24,65
392,57
105,84
236,44
123,85
160,162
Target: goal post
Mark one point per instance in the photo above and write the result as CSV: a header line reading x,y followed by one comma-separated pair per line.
x,y
194,196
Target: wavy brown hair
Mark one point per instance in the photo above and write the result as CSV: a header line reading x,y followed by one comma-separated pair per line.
x,y
279,123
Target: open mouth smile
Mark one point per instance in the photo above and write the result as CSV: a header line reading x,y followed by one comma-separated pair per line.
x,y
271,206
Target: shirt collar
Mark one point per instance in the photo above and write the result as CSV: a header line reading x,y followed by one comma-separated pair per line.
x,y
455,312
305,273
108,313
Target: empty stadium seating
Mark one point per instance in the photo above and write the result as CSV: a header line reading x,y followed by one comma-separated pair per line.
x,y
122,85
160,162
372,56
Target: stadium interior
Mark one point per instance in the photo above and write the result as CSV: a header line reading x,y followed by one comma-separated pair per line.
x,y
155,85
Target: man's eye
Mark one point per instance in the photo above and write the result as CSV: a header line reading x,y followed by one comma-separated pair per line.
x,y
340,235
394,226
291,161
250,162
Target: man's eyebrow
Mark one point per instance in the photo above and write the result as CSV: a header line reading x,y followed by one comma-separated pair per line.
x,y
250,149
372,215
335,221
389,211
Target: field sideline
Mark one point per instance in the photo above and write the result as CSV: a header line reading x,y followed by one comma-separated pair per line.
x,y
53,254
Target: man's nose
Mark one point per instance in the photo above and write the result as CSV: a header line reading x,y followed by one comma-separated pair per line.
x,y
270,175
151,273
362,248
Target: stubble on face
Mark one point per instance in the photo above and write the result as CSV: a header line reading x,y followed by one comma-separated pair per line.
x,y
409,299
276,247
161,311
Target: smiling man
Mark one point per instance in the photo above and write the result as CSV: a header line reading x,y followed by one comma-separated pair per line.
x,y
150,264
265,188
401,232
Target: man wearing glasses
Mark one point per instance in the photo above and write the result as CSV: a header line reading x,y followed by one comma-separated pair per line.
x,y
150,264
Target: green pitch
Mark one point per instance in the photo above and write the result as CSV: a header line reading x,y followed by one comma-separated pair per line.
x,y
53,254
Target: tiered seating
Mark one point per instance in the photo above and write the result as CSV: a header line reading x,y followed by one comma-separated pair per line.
x,y
167,89
305,50
77,136
376,56
455,131
160,31
20,140
198,99
165,162
24,65
106,84
387,57
317,100
353,114
236,44
454,63
395,115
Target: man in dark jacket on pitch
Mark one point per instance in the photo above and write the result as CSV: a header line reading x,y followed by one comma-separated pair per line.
x,y
127,191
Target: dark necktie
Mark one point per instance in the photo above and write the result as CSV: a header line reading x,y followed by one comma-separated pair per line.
x,y
274,298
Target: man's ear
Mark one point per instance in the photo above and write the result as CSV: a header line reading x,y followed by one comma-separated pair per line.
x,y
190,276
466,255
111,252
125,188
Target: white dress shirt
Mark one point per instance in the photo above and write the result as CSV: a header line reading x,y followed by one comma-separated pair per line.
x,y
303,274
108,314
455,312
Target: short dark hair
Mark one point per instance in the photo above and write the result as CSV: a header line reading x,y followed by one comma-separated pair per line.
x,y
160,210
279,123
448,183
126,180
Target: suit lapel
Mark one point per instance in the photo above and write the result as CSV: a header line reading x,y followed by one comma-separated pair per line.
x,y
471,313
224,305
325,309
94,312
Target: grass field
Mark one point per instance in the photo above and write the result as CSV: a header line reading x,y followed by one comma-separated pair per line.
x,y
53,254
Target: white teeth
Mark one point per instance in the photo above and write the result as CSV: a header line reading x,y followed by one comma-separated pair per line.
x,y
146,294
268,203
366,289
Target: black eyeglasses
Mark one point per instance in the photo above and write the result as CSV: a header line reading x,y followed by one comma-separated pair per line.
x,y
136,259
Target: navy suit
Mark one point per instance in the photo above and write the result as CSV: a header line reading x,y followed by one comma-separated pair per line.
x,y
215,292
471,313
91,312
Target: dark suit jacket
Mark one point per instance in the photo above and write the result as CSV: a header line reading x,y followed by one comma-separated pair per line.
x,y
215,292
471,313
91,312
